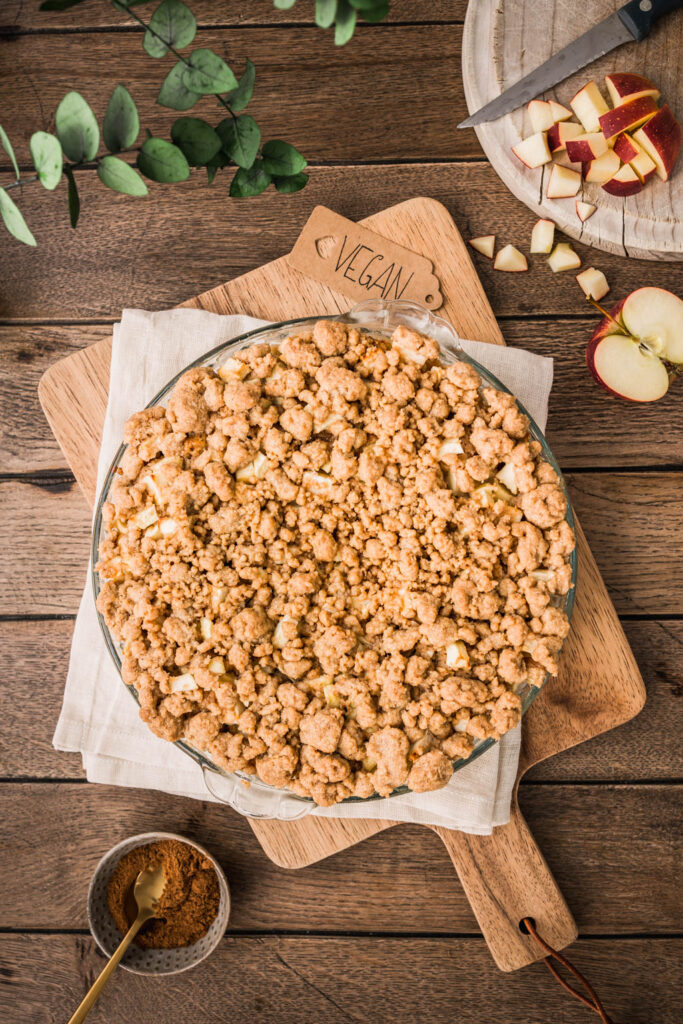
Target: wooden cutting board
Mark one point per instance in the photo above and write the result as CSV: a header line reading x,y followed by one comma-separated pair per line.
x,y
599,685
502,42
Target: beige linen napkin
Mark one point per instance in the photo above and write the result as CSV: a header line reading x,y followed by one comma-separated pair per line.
x,y
99,717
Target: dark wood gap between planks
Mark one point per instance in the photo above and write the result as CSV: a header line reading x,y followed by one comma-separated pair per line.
x,y
240,933
64,780
8,32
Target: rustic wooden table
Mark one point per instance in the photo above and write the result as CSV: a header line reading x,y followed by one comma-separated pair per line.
x,y
381,932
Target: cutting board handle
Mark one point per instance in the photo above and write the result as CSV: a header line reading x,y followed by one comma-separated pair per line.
x,y
506,878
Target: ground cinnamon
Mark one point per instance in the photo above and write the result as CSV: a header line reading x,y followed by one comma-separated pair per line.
x,y
188,905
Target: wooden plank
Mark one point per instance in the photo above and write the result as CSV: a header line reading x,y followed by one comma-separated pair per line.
x,y
503,42
647,748
630,520
298,69
311,980
601,842
25,16
214,238
621,432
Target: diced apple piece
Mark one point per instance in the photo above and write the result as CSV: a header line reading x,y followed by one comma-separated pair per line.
x,y
257,468
542,236
183,683
540,115
601,170
450,446
562,183
484,244
507,477
146,517
233,369
560,157
457,656
584,210
216,666
168,526
593,283
661,140
622,84
559,112
205,628
643,165
560,132
588,104
318,483
562,258
533,152
586,147
625,148
510,260
624,183
627,116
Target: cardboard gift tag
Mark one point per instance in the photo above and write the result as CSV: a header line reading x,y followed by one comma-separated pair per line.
x,y
363,265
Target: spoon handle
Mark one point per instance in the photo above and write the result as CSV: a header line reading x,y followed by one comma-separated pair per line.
x,y
99,983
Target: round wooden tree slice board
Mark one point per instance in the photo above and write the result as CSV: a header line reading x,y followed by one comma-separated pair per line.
x,y
506,39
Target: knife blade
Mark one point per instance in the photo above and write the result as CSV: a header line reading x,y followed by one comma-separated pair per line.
x,y
631,22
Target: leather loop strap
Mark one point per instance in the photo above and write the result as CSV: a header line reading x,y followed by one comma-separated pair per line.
x,y
593,1003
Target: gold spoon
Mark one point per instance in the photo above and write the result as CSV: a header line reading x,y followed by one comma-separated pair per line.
x,y
149,885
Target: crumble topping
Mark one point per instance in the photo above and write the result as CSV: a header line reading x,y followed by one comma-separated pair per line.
x,y
334,563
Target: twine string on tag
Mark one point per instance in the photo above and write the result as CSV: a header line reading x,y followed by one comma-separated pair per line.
x,y
593,1003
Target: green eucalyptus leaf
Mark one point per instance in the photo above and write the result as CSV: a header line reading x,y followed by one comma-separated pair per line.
x,y
345,23
116,174
293,183
250,182
241,139
197,139
161,161
238,98
215,164
208,73
174,93
59,5
121,125
46,154
325,11
284,5
14,219
7,146
172,24
281,159
77,128
74,199
376,13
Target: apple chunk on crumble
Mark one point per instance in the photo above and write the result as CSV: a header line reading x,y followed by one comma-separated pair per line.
x,y
334,563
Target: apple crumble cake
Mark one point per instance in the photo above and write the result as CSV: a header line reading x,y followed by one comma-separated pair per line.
x,y
335,562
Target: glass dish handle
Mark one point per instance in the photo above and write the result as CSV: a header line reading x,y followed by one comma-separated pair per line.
x,y
254,801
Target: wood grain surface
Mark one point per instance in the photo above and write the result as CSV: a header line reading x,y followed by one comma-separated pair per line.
x,y
124,238
315,979
502,43
196,237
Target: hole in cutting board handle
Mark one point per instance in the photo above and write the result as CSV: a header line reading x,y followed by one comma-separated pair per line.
x,y
522,925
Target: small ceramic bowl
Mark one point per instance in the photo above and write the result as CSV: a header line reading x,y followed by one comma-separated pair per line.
x,y
151,961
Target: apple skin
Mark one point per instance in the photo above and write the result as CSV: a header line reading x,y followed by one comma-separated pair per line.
x,y
628,115
625,149
660,137
585,148
620,85
620,186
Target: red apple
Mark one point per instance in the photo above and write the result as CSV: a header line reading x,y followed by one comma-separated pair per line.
x,y
628,115
625,148
661,140
602,169
588,104
586,147
622,84
560,132
624,183
626,349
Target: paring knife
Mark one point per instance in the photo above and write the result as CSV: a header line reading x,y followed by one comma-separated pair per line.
x,y
631,22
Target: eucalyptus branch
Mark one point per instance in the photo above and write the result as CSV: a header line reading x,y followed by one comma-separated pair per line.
x,y
235,141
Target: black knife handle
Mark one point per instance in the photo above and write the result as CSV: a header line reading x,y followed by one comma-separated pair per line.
x,y
640,15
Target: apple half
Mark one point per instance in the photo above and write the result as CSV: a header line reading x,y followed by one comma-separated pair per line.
x,y
630,346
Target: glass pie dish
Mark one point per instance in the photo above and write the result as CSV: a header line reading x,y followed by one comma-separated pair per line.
x,y
246,793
